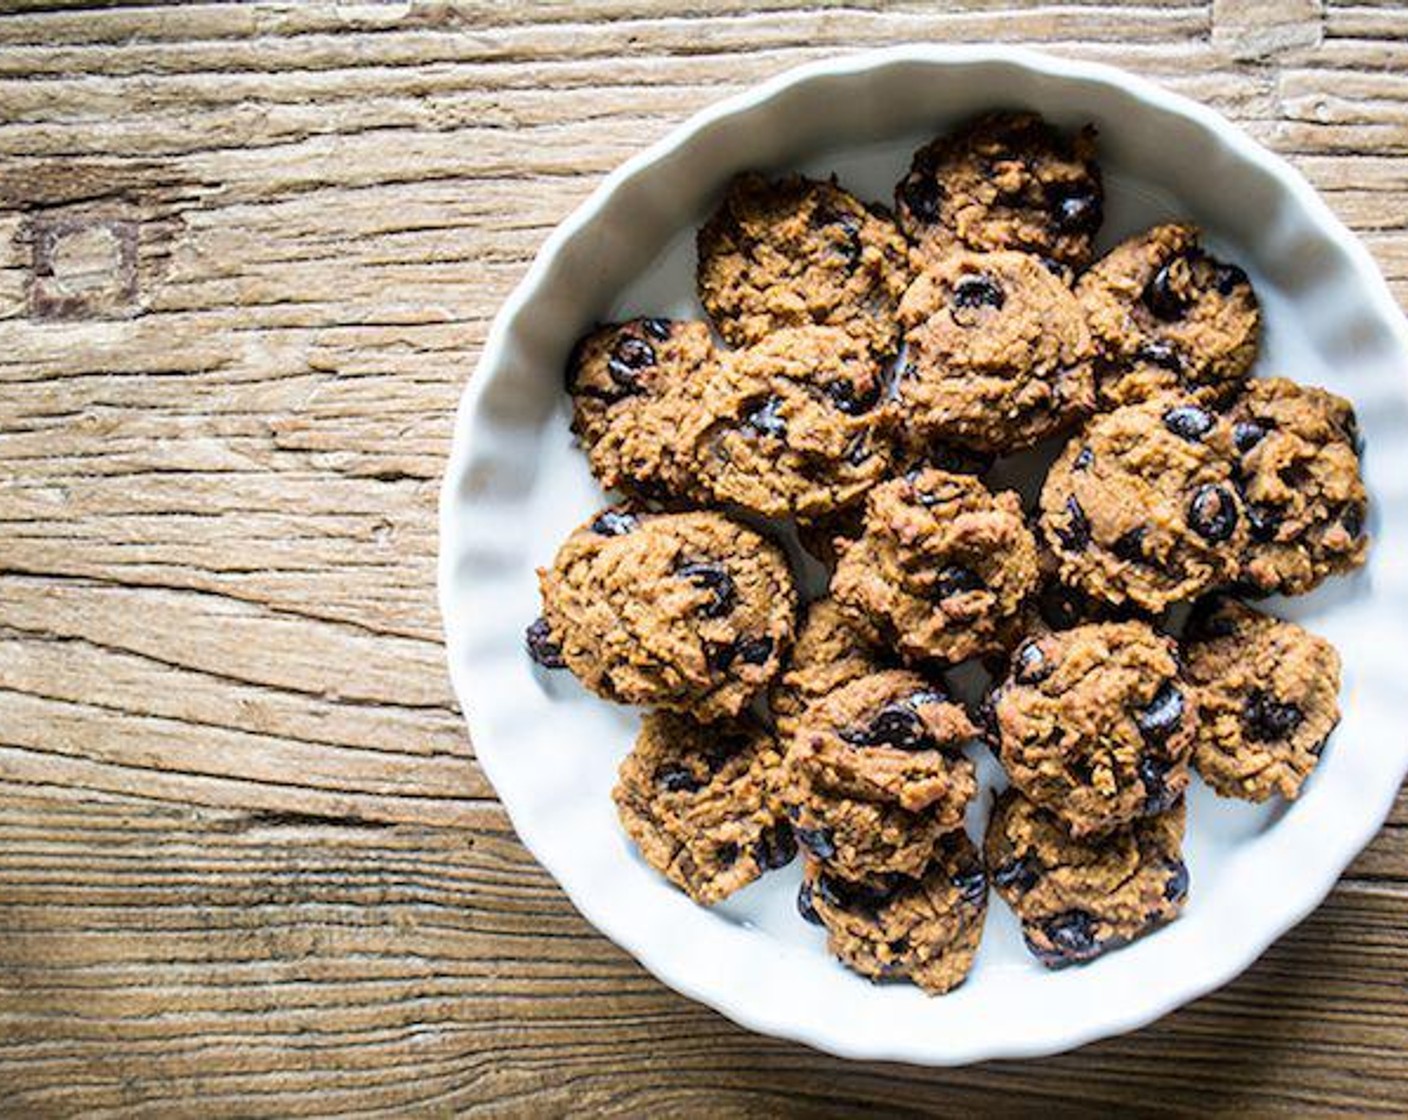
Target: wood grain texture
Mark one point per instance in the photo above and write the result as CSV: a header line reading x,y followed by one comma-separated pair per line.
x,y
248,864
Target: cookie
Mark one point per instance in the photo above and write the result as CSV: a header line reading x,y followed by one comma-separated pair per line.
x,y
859,839
1298,465
636,391
686,611
700,803
941,568
1168,317
925,930
1095,724
1079,898
998,354
893,737
1005,180
1268,698
795,425
830,651
1141,507
793,252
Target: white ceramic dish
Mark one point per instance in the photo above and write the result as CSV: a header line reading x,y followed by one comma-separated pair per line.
x,y
515,486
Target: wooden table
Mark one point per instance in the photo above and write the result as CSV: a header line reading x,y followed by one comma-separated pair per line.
x,y
248,864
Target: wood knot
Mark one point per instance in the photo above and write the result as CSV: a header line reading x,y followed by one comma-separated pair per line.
x,y
83,268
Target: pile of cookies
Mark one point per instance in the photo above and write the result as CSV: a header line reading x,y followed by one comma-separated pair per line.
x,y
861,374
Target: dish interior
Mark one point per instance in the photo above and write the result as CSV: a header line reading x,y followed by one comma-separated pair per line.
x,y
552,749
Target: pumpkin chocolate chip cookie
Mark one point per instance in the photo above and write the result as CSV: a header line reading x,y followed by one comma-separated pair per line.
x,y
941,567
1267,699
1141,507
700,801
1168,317
1078,898
1298,467
893,737
795,426
1005,180
795,252
686,611
924,929
830,651
1095,724
998,355
636,392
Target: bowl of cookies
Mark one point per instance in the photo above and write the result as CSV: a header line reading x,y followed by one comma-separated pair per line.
x,y
920,557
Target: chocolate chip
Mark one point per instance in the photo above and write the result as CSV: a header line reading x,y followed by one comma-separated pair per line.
x,y
1162,354
775,847
972,884
1075,536
1213,513
1246,434
978,291
1162,298
1267,719
677,778
1188,421
956,580
766,419
895,725
1228,278
541,647
922,196
850,248
1072,939
1353,521
614,523
1153,773
1031,664
1176,889
1020,875
1163,714
819,841
1076,208
726,853
858,450
713,578
720,656
629,356
1130,546
844,396
753,651
1262,522
658,329
804,905
1084,457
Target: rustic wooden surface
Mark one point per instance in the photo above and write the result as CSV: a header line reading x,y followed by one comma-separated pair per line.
x,y
248,864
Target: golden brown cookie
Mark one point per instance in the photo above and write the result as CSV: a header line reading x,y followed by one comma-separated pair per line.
x,y
1268,698
998,354
636,392
795,426
1005,180
1141,506
1298,465
1095,724
830,651
700,802
892,737
795,252
685,611
925,930
1079,898
942,567
1168,317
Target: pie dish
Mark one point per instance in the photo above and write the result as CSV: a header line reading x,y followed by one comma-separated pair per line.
x,y
515,486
